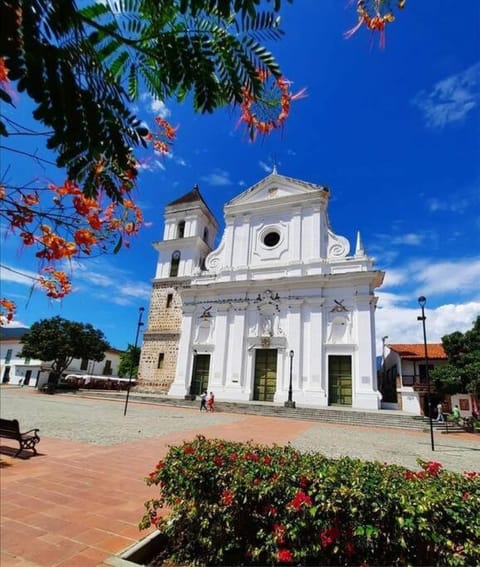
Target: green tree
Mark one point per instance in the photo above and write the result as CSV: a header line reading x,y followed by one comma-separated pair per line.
x,y
462,373
129,361
58,341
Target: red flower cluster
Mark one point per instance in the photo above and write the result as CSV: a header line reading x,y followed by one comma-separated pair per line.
x,y
9,307
278,533
300,499
374,15
330,536
218,461
470,475
262,115
227,497
430,468
251,457
303,481
285,556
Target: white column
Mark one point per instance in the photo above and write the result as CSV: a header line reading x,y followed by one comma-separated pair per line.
x,y
236,352
365,394
221,347
183,374
294,342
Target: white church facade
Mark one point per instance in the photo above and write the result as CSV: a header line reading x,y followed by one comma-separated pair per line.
x,y
281,304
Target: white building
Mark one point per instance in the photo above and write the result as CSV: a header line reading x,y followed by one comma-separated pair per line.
x,y
279,303
31,372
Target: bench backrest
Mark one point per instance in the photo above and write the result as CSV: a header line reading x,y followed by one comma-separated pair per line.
x,y
10,426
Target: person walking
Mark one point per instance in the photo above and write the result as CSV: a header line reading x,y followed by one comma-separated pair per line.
x,y
211,402
440,412
456,414
203,401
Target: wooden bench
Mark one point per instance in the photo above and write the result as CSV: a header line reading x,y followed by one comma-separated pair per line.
x,y
10,429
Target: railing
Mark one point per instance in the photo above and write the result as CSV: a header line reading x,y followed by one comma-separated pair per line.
x,y
415,380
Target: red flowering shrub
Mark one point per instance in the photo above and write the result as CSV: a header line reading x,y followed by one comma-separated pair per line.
x,y
245,504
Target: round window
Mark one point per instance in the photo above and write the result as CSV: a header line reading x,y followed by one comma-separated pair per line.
x,y
271,239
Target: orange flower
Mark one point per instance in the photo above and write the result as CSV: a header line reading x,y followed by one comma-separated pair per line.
x,y
160,147
57,285
30,199
28,238
3,71
94,221
85,238
263,115
374,15
68,188
83,204
9,307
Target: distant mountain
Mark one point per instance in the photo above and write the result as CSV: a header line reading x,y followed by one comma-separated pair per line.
x,y
12,332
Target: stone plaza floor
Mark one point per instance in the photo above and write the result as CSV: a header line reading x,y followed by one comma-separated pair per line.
x,y
79,501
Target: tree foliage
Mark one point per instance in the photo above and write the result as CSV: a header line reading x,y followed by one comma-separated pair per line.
x,y
83,67
129,361
462,373
59,341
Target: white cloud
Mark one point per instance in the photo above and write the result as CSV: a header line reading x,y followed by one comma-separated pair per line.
x,y
411,239
401,325
397,308
121,289
267,168
14,324
424,276
217,178
17,275
460,276
155,106
451,99
456,206
394,278
150,165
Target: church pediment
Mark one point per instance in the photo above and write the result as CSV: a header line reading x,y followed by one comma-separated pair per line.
x,y
275,187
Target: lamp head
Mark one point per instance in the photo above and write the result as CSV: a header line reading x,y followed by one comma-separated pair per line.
x,y
141,309
422,300
291,353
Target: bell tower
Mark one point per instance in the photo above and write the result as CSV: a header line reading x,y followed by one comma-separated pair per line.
x,y
188,237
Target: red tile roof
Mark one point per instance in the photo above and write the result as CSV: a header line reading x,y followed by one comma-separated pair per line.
x,y
434,350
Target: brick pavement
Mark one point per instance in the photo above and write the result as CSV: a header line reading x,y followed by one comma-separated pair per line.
x,y
78,503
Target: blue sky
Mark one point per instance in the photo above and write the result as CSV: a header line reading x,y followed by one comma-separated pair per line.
x,y
394,134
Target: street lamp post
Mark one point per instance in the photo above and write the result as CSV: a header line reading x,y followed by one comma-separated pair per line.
x,y
422,301
290,403
139,324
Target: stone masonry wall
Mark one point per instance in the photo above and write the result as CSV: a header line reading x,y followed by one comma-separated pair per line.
x,y
158,359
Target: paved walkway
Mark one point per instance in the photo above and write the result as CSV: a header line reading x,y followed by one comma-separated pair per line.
x,y
80,500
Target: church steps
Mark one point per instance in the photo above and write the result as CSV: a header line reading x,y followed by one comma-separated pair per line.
x,y
384,418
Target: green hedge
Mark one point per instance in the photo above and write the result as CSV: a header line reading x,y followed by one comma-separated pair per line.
x,y
246,504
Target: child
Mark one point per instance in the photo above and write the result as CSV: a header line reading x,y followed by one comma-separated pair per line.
x,y
211,402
